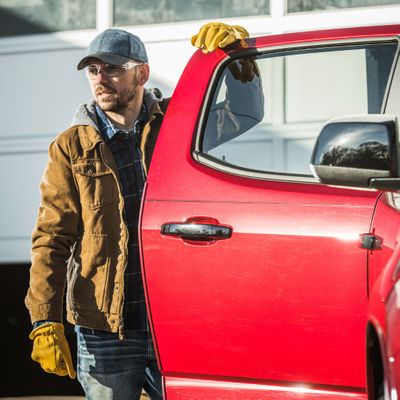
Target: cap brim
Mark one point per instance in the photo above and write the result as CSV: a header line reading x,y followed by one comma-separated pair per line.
x,y
105,57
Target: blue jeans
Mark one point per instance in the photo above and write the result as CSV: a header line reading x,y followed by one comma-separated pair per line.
x,y
112,369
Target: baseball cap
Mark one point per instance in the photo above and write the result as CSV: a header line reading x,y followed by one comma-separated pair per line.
x,y
115,46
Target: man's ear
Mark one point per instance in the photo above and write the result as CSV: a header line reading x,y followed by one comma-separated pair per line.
x,y
144,71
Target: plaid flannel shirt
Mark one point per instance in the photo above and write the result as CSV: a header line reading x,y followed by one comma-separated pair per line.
x,y
126,151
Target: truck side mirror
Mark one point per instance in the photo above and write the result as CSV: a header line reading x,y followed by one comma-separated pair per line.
x,y
361,151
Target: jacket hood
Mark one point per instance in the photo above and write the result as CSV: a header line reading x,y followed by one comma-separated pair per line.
x,y
151,97
86,113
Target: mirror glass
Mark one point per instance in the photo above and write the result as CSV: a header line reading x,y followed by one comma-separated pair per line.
x,y
356,145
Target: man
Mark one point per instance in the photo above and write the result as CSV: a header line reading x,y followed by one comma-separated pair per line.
x,y
86,235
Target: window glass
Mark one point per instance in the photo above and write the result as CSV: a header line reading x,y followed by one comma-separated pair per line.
x,y
312,5
270,122
22,17
135,12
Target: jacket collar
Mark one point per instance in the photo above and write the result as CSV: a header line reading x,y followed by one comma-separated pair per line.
x,y
86,118
89,136
155,109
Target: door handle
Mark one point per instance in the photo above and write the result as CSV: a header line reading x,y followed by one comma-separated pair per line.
x,y
192,230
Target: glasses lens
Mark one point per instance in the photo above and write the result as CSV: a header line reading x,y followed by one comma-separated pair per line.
x,y
92,70
112,70
108,70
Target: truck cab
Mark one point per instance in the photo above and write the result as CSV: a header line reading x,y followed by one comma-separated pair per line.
x,y
257,274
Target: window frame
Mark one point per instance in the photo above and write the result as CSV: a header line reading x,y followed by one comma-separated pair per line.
x,y
47,30
220,165
362,7
180,21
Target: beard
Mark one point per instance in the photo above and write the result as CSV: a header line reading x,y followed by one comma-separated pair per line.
x,y
109,99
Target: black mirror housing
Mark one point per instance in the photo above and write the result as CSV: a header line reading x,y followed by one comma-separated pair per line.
x,y
353,150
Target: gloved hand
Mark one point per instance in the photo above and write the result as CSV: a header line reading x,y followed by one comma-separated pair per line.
x,y
51,349
244,69
218,34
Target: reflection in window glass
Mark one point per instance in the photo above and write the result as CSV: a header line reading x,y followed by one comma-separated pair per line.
x,y
336,80
312,5
136,12
301,90
23,17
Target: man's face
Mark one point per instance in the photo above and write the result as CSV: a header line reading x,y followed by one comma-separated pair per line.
x,y
114,93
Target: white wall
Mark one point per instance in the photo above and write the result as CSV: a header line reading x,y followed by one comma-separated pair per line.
x,y
40,90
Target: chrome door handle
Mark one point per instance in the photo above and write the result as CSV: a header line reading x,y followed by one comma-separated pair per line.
x,y
196,231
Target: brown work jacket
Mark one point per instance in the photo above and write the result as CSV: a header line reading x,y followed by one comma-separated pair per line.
x,y
79,243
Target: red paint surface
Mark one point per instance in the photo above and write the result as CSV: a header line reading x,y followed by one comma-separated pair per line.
x,y
284,299
187,389
384,304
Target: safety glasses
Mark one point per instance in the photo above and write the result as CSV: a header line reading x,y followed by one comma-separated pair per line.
x,y
109,70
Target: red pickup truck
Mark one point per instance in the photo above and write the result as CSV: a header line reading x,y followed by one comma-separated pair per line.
x,y
257,272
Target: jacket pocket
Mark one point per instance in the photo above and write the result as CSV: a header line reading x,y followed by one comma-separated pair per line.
x,y
88,277
95,182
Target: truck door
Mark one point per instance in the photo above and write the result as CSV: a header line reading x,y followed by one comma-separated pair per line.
x,y
254,274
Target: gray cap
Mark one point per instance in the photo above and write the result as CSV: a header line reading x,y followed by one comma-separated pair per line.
x,y
115,46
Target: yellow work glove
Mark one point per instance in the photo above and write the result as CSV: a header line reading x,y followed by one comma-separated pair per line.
x,y
218,34
51,349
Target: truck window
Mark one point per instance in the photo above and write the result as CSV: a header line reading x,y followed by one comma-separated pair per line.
x,y
298,92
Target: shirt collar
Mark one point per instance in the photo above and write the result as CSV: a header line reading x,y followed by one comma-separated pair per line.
x,y
106,127
108,130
